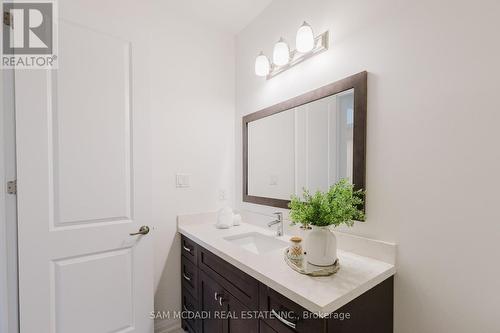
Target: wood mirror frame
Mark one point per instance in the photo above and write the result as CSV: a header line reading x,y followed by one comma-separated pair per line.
x,y
358,82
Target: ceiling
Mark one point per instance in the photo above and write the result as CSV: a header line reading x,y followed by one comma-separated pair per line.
x,y
229,15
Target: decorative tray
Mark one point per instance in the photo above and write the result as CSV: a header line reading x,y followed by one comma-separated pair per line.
x,y
303,267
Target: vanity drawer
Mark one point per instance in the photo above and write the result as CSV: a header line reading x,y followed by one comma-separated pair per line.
x,y
189,276
292,315
241,285
189,308
189,249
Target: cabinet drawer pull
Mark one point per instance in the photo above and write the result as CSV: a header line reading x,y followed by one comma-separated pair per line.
x,y
186,248
186,277
283,320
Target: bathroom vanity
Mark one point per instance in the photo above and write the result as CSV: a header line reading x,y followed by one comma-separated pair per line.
x,y
246,286
236,279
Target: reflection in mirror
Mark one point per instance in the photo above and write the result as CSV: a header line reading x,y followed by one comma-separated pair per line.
x,y
309,146
309,141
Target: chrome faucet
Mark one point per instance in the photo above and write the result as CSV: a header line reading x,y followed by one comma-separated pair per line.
x,y
279,222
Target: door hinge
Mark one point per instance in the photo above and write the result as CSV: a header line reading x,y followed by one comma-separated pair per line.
x,y
12,187
7,18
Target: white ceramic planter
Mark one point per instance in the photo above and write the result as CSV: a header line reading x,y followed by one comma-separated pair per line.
x,y
321,246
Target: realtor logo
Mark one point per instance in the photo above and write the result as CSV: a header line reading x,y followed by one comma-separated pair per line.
x,y
29,35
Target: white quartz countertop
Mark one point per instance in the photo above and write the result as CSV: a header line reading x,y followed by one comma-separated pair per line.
x,y
322,295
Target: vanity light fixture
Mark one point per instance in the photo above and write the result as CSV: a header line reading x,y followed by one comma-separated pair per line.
x,y
304,41
262,65
307,45
281,53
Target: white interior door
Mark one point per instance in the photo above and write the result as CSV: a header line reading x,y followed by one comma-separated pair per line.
x,y
8,218
79,192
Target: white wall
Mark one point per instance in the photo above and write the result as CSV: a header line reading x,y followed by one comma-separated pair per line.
x,y
433,155
192,103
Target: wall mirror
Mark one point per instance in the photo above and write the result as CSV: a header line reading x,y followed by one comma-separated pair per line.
x,y
310,141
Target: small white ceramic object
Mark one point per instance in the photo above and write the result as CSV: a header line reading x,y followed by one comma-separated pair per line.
x,y
224,218
321,246
236,219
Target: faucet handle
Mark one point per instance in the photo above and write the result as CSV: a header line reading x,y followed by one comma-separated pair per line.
x,y
279,215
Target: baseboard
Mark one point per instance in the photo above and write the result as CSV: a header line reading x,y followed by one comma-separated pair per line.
x,y
167,325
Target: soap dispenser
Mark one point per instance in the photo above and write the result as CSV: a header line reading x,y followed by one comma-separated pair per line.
x,y
224,218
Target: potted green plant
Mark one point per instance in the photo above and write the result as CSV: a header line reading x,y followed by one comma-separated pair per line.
x,y
317,212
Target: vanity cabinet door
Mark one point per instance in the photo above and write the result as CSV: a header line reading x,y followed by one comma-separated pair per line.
x,y
239,284
211,303
241,321
265,328
227,313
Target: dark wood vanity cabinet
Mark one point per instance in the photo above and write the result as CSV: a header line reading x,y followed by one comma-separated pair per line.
x,y
231,301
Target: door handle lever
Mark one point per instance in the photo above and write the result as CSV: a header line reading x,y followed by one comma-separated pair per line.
x,y
144,230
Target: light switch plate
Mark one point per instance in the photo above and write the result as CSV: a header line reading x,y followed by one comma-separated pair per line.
x,y
182,180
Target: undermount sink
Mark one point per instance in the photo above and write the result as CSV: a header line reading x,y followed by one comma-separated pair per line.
x,y
256,242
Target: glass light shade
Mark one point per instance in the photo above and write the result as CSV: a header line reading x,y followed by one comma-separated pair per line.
x,y
281,53
304,41
262,65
